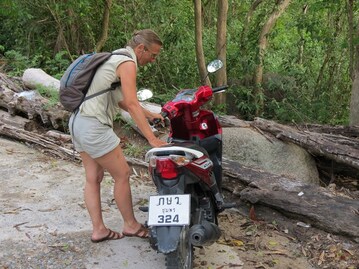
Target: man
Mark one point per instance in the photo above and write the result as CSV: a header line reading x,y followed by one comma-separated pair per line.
x,y
94,138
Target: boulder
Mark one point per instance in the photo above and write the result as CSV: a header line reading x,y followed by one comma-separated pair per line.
x,y
249,147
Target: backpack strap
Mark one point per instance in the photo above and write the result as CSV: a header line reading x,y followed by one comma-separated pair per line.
x,y
114,85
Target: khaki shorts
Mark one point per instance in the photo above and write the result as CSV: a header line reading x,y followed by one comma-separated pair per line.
x,y
91,136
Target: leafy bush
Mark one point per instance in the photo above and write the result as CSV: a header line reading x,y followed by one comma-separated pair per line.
x,y
49,93
16,63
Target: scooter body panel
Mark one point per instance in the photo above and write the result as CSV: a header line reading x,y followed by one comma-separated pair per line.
x,y
191,164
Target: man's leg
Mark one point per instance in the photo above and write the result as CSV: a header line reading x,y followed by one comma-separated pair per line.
x,y
94,175
115,163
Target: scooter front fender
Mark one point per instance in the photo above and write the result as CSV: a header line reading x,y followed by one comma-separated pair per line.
x,y
167,238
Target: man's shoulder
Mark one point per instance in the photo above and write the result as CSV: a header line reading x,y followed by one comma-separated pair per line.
x,y
127,51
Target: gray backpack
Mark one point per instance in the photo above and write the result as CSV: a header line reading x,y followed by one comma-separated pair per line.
x,y
77,79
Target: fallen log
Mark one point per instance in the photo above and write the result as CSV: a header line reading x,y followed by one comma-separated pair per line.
x,y
335,147
47,144
348,131
317,206
33,77
306,202
16,121
232,121
14,84
33,106
59,136
52,143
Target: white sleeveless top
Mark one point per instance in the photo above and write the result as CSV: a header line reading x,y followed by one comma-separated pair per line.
x,y
105,106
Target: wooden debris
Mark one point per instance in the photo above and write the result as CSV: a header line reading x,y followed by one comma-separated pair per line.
x,y
335,147
316,206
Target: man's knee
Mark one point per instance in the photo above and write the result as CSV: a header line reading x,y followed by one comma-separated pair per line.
x,y
124,174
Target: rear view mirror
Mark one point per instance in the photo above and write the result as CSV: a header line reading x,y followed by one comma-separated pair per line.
x,y
144,94
214,66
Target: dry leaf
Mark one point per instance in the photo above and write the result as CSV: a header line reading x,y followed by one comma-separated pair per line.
x,y
350,252
276,252
333,248
252,214
304,252
273,243
233,243
16,226
321,258
229,217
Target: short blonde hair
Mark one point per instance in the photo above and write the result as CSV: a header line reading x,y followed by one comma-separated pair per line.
x,y
146,37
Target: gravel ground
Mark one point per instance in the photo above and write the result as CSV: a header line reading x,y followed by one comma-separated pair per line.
x,y
44,223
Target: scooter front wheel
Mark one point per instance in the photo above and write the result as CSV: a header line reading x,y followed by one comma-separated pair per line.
x,y
182,257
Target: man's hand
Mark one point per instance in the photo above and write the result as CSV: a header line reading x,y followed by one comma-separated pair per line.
x,y
155,142
153,116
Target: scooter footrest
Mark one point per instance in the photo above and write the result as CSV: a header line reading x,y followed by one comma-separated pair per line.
x,y
144,208
228,205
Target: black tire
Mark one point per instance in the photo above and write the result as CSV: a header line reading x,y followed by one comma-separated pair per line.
x,y
182,257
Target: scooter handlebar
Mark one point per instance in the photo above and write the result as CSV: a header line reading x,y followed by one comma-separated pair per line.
x,y
163,114
220,89
214,90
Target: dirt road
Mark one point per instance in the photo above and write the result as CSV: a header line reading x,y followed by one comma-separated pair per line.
x,y
44,222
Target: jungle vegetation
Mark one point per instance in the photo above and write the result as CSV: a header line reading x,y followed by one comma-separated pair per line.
x,y
287,60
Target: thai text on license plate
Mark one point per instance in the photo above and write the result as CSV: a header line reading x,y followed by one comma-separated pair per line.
x,y
167,210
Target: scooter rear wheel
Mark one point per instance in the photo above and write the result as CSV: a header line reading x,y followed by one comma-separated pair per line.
x,y
182,257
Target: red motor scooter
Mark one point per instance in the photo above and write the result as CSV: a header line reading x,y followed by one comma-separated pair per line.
x,y
187,174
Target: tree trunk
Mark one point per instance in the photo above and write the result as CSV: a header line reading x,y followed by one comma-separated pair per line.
x,y
54,143
74,33
263,41
316,91
247,21
221,75
61,40
201,63
302,39
331,61
350,4
105,25
354,101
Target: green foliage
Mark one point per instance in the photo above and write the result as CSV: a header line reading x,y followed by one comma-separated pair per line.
x,y
16,63
134,151
220,109
49,93
243,101
56,65
306,77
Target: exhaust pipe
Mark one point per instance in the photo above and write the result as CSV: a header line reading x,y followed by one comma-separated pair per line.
x,y
204,234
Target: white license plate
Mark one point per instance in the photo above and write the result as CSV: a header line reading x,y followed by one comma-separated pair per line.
x,y
165,210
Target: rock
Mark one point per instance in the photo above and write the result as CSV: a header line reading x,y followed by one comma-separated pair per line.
x,y
251,148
